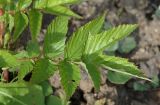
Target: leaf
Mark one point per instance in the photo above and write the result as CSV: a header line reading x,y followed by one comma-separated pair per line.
x,y
10,20
40,4
112,48
53,100
6,39
21,55
21,94
33,49
7,60
76,44
70,77
35,18
122,66
94,73
55,37
117,78
43,69
92,63
127,45
141,87
22,4
47,88
25,68
61,10
101,41
21,22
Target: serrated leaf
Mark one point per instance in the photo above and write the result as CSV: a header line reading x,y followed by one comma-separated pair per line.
x,y
70,77
21,55
55,37
117,78
21,22
40,4
94,74
43,69
25,68
53,100
76,44
33,49
35,18
21,94
101,41
7,60
10,20
22,4
61,10
122,66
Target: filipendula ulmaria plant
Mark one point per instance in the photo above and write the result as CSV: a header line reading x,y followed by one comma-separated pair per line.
x,y
84,48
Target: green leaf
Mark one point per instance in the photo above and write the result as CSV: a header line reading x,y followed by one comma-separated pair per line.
x,y
7,60
117,78
122,66
94,73
70,77
101,41
127,45
21,94
21,55
55,37
33,49
43,69
47,88
21,22
40,4
141,87
76,44
61,10
53,100
25,68
7,37
10,20
22,4
35,20
92,63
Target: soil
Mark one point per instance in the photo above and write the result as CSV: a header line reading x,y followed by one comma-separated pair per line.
x,y
146,55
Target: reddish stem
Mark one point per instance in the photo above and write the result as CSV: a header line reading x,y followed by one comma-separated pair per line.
x,y
5,73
